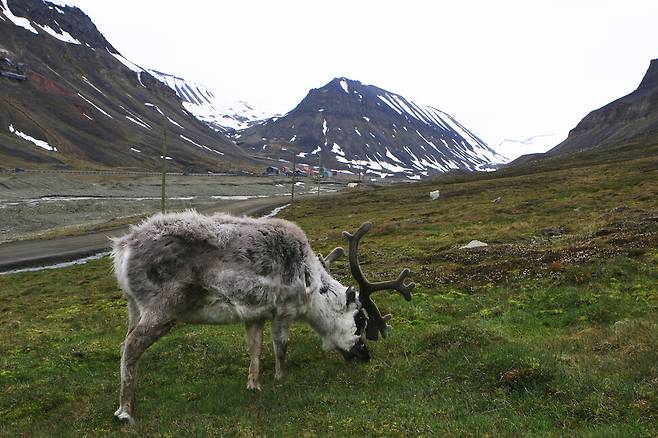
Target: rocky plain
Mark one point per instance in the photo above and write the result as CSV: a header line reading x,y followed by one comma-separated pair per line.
x,y
38,205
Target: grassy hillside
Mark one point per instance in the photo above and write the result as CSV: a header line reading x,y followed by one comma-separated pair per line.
x,y
551,330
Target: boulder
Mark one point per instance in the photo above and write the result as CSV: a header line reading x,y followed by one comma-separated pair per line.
x,y
474,244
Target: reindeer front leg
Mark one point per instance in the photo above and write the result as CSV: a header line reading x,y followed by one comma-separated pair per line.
x,y
255,347
280,329
142,336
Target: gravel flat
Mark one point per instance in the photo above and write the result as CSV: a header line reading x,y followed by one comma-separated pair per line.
x,y
35,207
27,253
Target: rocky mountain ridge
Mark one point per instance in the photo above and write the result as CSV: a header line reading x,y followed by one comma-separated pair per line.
x,y
634,115
220,114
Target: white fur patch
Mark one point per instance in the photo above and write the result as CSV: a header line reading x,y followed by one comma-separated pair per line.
x,y
121,256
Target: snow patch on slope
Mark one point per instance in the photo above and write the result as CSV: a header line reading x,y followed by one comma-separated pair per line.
x,y
337,150
343,85
221,114
18,21
139,122
200,145
91,85
41,143
131,65
62,3
62,35
95,106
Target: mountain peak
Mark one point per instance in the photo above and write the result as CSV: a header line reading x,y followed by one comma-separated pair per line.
x,y
630,116
650,79
342,84
349,126
61,4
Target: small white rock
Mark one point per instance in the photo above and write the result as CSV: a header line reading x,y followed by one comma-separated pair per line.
x,y
434,195
474,244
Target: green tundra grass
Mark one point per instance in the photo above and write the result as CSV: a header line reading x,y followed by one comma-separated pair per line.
x,y
543,332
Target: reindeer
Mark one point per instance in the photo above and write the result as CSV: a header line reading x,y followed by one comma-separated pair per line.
x,y
221,269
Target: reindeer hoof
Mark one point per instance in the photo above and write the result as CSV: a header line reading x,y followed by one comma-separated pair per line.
x,y
252,386
122,415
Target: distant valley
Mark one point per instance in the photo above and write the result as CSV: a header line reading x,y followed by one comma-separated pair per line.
x,y
70,100
75,102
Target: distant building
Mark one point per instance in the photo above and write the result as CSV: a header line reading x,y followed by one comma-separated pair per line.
x,y
11,75
272,170
10,68
298,172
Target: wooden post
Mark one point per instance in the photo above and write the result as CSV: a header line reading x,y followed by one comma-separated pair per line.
x,y
164,163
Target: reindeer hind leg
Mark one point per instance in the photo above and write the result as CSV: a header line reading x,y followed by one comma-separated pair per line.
x,y
255,347
280,330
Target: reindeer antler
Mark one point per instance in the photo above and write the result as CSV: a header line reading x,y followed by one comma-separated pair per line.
x,y
334,255
376,322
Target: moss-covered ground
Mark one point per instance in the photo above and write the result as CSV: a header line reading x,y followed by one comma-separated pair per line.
x,y
551,330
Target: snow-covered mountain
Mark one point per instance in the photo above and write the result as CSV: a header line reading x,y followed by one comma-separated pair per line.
x,y
69,99
346,125
219,113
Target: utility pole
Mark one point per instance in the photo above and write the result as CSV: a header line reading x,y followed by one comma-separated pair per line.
x,y
294,172
164,162
360,164
319,175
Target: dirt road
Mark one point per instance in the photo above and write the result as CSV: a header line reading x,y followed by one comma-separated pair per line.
x,y
30,253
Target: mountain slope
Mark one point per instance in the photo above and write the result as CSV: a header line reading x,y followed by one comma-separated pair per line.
x,y
631,116
346,124
83,105
219,114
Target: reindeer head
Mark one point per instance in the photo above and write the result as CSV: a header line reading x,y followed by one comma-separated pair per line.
x,y
368,322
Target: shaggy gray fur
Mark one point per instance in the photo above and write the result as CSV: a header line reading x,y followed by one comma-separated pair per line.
x,y
224,269
246,262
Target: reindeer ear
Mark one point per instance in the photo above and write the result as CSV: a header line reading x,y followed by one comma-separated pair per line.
x,y
351,295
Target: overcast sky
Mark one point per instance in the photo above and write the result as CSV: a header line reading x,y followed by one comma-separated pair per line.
x,y
504,69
